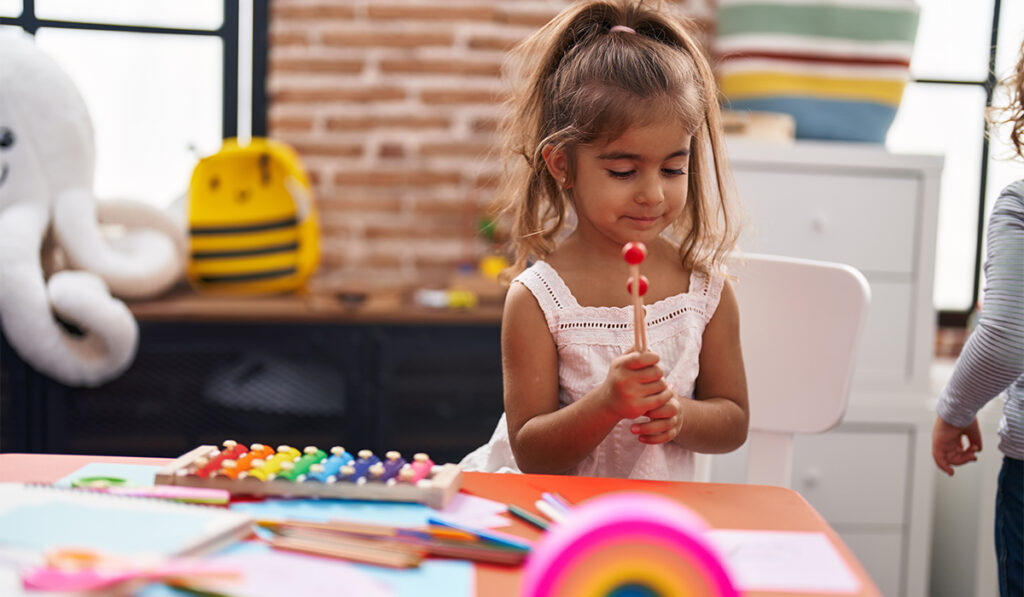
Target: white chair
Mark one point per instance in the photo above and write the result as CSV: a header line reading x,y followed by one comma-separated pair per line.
x,y
800,323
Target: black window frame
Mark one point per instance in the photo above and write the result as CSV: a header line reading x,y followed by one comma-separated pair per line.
x,y
227,32
960,318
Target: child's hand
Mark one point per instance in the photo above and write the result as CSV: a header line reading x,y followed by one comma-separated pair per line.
x,y
634,385
665,424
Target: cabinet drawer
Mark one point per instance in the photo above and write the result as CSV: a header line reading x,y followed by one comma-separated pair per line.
x,y
885,351
850,478
853,477
881,554
865,221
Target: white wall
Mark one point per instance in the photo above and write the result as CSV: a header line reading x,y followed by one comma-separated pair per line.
x,y
963,554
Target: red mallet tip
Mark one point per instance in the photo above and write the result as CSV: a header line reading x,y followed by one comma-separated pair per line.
x,y
643,285
634,253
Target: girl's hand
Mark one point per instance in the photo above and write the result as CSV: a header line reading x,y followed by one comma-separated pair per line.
x,y
634,385
665,424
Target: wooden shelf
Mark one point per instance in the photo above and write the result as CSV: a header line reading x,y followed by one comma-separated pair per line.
x,y
184,304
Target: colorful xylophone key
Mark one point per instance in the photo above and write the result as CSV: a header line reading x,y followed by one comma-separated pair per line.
x,y
264,470
417,470
328,470
231,451
387,471
295,471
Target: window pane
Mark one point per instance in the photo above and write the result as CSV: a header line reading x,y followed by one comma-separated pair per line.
x,y
1011,32
952,40
960,109
186,14
10,8
152,98
1004,167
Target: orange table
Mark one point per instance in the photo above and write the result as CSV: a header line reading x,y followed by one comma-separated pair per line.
x,y
721,505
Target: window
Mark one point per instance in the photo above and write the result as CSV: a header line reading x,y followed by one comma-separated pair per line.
x,y
164,80
958,58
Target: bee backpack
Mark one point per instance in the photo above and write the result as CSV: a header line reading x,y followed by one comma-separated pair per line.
x,y
252,221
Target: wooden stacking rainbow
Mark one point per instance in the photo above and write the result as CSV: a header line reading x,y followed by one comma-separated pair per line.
x,y
627,545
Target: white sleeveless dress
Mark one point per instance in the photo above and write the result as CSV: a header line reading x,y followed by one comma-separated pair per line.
x,y
588,339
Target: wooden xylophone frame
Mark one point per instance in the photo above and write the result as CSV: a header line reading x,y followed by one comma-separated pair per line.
x,y
435,491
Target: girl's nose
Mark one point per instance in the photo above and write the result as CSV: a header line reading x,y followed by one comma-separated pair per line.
x,y
651,191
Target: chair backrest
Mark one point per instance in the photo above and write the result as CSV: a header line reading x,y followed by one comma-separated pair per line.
x,y
800,323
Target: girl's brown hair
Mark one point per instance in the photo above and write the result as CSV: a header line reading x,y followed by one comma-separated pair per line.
x,y
576,82
1013,112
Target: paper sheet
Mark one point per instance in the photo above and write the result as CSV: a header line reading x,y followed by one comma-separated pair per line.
x,y
784,561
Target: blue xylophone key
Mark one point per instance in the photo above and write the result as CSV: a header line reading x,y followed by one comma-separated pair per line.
x,y
327,470
392,464
364,462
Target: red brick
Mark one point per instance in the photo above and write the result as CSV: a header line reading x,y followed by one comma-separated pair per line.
x,y
318,11
442,67
485,125
386,39
388,178
318,64
402,121
493,42
461,96
287,38
457,148
520,16
362,202
431,12
338,94
289,123
391,150
307,148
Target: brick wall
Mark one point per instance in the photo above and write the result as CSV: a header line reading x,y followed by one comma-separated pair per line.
x,y
392,105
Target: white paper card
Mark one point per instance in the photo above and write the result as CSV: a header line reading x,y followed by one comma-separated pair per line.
x,y
784,561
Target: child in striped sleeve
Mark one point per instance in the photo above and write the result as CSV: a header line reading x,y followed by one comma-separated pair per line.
x,y
992,362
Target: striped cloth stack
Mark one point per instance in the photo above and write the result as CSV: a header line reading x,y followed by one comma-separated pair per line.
x,y
838,67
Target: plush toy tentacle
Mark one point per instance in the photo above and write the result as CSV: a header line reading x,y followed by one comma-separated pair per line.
x,y
109,335
143,262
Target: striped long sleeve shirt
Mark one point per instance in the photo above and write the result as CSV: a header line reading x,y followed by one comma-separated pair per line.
x,y
992,361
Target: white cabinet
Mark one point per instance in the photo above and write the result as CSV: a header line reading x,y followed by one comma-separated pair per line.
x,y
871,477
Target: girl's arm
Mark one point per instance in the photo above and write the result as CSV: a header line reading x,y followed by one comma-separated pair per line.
x,y
717,420
544,438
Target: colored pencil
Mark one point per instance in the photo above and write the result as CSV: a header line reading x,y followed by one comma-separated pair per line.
x,y
536,521
353,549
557,501
492,536
550,511
363,542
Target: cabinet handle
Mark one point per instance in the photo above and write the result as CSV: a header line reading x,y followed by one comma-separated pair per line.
x,y
812,478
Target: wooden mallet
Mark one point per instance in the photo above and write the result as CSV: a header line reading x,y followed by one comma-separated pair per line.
x,y
634,253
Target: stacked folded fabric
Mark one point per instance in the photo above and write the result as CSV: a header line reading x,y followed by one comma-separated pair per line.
x,y
839,67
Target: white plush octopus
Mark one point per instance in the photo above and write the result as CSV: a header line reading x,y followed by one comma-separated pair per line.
x,y
68,326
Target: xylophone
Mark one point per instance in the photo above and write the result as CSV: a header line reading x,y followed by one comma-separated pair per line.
x,y
259,470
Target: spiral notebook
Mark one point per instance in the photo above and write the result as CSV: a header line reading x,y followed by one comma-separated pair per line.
x,y
36,518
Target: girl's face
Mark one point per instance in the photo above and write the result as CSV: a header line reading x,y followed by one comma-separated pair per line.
x,y
633,187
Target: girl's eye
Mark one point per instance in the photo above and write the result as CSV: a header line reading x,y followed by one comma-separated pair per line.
x,y
617,174
673,171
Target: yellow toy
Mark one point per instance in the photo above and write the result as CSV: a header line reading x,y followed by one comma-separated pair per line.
x,y
252,222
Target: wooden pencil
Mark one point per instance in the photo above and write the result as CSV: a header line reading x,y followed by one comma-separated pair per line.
x,y
352,550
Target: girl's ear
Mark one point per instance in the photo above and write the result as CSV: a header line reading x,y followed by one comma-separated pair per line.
x,y
557,162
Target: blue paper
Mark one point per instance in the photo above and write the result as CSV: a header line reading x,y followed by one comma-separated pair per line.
x,y
323,510
443,578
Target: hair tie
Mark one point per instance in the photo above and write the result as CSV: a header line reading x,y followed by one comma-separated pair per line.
x,y
622,28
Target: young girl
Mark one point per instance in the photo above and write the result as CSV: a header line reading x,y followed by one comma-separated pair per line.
x,y
992,362
615,116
